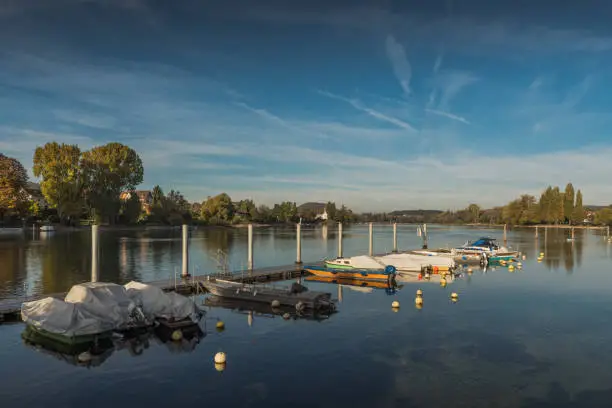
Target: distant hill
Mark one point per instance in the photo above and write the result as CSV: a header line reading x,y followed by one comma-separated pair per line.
x,y
595,207
415,213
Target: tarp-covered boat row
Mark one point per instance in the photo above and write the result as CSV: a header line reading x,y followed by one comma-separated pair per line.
x,y
95,308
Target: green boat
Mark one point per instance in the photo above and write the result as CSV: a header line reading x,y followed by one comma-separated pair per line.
x,y
509,256
37,335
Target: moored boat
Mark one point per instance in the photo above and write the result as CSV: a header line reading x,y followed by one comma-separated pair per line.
x,y
402,262
382,275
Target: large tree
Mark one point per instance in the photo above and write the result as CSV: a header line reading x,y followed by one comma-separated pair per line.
x,y
108,170
58,165
217,209
13,180
568,207
578,213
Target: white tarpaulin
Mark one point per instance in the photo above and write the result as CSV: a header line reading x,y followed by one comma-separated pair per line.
x,y
108,302
157,303
57,316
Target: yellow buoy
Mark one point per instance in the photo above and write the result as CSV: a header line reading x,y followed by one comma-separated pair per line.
x,y
418,300
220,367
177,335
220,325
454,296
519,264
419,306
220,358
443,282
539,259
419,292
511,268
395,304
542,254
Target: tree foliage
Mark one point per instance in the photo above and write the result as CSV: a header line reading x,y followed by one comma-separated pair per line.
x,y
13,180
578,210
568,206
217,210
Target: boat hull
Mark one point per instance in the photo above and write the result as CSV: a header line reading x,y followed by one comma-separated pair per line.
x,y
349,273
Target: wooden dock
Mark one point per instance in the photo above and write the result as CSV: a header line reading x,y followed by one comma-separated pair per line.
x,y
10,309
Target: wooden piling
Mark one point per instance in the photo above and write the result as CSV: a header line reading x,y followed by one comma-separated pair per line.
x,y
395,237
250,247
371,240
94,253
185,265
339,240
298,237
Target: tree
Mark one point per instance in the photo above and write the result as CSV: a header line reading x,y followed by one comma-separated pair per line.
x,y
568,207
474,211
131,208
578,213
218,209
157,196
603,216
108,170
62,186
13,180
330,208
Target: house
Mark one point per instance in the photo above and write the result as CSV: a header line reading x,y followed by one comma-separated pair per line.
x,y
33,193
144,196
319,210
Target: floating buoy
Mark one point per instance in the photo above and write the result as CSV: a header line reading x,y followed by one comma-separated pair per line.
x,y
395,304
219,367
540,259
524,257
454,296
275,303
418,301
443,282
84,357
511,268
419,292
519,265
220,358
419,306
470,270
541,254
286,316
220,325
177,335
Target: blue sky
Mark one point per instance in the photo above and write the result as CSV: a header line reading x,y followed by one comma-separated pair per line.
x,y
380,105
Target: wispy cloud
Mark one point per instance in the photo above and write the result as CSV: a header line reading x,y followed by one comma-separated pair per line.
x,y
399,61
86,119
374,113
448,115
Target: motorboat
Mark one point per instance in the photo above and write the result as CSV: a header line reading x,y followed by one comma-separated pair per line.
x,y
401,261
380,274
486,247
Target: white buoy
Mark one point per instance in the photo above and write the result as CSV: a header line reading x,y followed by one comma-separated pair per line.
x,y
419,292
220,358
275,303
395,304
524,257
85,357
286,316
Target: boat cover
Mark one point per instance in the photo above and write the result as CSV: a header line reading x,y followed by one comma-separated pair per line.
x,y
157,303
108,302
56,316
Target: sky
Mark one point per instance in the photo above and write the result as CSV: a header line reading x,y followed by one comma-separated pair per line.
x,y
378,105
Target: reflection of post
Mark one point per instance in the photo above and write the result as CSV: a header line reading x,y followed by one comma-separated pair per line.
x,y
324,232
395,237
340,293
573,234
250,248
94,253
298,258
250,318
608,232
339,240
536,234
505,233
371,236
185,270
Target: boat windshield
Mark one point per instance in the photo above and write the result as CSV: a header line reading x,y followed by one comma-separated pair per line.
x,y
485,242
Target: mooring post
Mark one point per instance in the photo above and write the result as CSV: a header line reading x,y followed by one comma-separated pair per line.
x,y
608,232
371,246
94,253
298,233
250,248
339,240
425,238
395,237
185,270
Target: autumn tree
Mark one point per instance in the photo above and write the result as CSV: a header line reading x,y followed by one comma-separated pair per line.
x,y
58,165
13,180
218,209
578,212
131,209
568,206
108,170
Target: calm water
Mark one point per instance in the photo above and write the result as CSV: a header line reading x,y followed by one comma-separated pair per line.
x,y
538,337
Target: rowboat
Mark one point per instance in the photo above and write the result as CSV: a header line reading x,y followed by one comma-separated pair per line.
x,y
297,295
381,275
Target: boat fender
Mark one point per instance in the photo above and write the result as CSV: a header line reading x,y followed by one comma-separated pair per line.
x,y
390,270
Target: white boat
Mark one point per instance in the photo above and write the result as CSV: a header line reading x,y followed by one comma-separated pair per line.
x,y
47,228
10,231
401,262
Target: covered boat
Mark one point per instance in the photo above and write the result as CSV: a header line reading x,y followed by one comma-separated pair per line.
x,y
157,304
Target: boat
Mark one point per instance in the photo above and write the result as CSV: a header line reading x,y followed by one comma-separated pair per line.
x,y
297,295
385,274
362,283
411,277
47,228
402,262
449,253
485,246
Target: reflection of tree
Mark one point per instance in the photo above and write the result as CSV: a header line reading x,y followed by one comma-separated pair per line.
x,y
66,259
216,239
568,256
12,269
579,246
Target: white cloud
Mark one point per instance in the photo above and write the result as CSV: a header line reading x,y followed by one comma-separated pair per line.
x,y
399,62
448,115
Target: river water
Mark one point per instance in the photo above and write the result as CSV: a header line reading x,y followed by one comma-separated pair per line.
x,y
538,337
